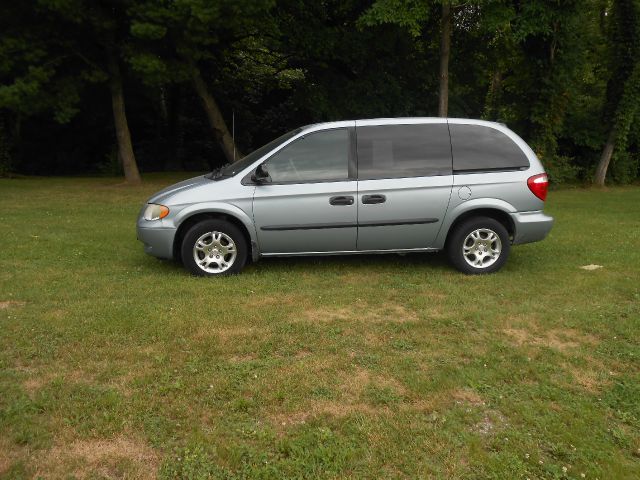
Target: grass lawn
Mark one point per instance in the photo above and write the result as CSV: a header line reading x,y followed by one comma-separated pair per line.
x,y
114,364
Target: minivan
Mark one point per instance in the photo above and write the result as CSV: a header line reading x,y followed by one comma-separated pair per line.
x,y
469,187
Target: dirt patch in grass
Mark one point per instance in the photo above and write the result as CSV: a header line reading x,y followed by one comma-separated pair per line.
x,y
119,457
33,384
561,339
92,373
394,313
247,357
353,384
491,420
304,353
490,423
58,314
518,336
445,399
319,408
6,304
591,374
225,335
8,455
350,398
466,396
587,379
38,380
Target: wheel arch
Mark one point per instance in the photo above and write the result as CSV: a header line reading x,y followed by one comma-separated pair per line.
x,y
497,214
194,218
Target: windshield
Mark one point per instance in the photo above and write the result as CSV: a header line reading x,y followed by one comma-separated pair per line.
x,y
233,168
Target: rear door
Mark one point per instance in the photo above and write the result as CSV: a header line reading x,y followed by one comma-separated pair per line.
x,y
404,183
309,204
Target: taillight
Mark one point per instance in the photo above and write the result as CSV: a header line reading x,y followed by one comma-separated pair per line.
x,y
538,184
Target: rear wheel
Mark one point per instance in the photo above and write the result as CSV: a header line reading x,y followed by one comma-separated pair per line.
x,y
478,245
214,247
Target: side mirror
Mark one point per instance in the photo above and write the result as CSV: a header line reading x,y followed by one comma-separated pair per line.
x,y
261,175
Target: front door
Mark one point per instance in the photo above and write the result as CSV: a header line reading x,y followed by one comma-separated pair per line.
x,y
404,184
309,203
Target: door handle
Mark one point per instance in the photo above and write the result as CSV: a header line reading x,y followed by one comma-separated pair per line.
x,y
341,200
372,199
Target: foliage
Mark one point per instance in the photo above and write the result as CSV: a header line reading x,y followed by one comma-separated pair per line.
x,y
410,14
558,73
5,151
32,53
623,95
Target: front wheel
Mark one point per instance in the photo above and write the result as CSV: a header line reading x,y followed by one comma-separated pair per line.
x,y
479,245
214,247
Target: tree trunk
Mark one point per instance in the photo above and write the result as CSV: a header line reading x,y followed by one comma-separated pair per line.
x,y
123,137
605,159
445,46
554,43
492,101
216,120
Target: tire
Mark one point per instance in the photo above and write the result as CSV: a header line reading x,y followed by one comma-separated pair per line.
x,y
214,247
478,245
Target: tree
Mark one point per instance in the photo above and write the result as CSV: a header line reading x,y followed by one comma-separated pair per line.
x,y
623,90
552,37
563,75
123,136
192,41
445,52
536,61
32,56
413,15
59,47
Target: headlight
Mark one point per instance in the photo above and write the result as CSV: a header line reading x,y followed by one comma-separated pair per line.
x,y
155,212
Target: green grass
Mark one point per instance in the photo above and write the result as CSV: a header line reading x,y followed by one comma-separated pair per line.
x,y
114,364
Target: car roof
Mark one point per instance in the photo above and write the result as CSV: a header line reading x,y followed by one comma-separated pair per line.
x,y
400,121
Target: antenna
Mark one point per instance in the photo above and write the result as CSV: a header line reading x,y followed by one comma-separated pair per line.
x,y
233,133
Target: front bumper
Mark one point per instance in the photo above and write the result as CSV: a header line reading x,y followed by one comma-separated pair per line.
x,y
157,239
531,226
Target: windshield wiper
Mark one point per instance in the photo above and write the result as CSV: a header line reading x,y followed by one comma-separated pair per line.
x,y
217,172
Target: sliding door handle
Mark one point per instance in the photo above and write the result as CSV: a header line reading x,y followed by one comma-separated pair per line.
x,y
372,199
341,200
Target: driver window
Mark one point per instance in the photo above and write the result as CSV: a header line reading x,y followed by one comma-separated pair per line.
x,y
319,156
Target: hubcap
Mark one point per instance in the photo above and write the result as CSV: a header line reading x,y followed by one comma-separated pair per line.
x,y
214,252
482,248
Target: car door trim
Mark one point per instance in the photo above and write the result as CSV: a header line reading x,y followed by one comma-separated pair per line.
x,y
318,226
388,223
308,226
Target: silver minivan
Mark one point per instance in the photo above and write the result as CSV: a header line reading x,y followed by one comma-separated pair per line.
x,y
470,187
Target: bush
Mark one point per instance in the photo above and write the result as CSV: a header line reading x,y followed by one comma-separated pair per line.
x,y
6,162
624,167
562,169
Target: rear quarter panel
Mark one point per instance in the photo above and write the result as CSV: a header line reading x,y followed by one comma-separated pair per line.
x,y
506,190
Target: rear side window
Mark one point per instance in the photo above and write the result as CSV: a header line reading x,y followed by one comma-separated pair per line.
x,y
396,151
480,148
